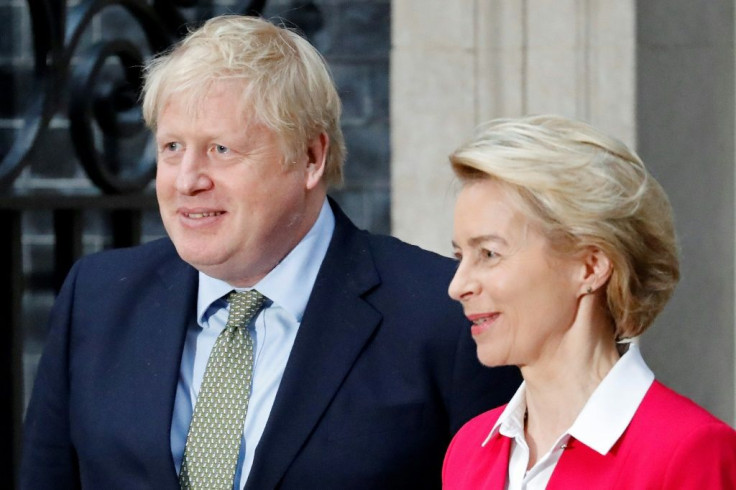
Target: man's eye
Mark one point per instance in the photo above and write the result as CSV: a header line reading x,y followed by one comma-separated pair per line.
x,y
221,149
173,146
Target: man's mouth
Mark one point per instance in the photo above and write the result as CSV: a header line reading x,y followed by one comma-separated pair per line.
x,y
203,215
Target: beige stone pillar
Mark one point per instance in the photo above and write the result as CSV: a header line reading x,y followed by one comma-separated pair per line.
x,y
457,64
433,108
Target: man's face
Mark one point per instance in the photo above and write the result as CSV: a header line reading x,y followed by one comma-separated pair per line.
x,y
228,202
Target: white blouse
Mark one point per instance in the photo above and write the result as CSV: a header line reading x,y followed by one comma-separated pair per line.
x,y
599,425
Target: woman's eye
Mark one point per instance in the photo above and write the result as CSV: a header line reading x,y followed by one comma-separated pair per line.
x,y
488,254
172,146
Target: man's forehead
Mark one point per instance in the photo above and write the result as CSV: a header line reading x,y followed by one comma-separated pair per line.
x,y
196,97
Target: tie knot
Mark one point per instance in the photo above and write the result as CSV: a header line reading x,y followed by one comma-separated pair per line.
x,y
243,307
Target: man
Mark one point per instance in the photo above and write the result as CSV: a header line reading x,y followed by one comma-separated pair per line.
x,y
360,363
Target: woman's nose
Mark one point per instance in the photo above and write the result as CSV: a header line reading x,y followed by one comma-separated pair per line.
x,y
463,285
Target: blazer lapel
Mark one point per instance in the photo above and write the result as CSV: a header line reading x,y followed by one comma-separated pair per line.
x,y
582,467
336,325
498,467
174,301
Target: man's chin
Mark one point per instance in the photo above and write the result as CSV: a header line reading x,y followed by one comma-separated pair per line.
x,y
199,258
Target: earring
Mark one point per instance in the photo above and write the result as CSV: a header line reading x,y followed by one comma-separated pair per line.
x,y
589,290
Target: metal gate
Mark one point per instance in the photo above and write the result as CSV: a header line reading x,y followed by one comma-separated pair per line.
x,y
84,76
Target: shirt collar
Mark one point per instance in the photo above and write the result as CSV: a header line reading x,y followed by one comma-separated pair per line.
x,y
607,412
612,405
511,421
279,285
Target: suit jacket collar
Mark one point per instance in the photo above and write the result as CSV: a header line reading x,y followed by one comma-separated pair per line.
x,y
175,312
336,325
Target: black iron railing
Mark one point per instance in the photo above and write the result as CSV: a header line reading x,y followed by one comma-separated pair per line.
x,y
94,85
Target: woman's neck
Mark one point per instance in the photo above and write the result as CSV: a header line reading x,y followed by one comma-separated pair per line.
x,y
559,385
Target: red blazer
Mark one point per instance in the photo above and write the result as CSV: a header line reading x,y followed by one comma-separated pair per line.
x,y
671,443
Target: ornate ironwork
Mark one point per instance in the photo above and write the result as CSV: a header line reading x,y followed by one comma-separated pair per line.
x,y
96,86
103,107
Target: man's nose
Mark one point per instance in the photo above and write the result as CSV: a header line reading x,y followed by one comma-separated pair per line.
x,y
193,176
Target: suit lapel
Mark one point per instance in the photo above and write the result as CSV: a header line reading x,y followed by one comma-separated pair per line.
x,y
336,325
174,301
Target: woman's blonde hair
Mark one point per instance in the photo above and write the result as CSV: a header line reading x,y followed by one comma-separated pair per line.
x,y
586,189
287,85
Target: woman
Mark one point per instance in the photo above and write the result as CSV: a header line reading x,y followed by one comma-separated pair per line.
x,y
567,251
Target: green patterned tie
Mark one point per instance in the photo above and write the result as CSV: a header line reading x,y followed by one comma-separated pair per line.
x,y
213,442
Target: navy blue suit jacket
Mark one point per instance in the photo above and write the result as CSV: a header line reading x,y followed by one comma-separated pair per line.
x,y
382,373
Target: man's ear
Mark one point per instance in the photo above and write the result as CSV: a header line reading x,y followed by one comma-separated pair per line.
x,y
316,159
597,269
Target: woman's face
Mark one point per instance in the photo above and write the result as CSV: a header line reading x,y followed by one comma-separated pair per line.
x,y
520,296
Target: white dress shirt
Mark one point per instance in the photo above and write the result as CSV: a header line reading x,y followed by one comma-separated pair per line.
x,y
287,287
599,425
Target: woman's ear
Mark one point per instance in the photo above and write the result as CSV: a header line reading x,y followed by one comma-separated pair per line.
x,y
316,159
597,269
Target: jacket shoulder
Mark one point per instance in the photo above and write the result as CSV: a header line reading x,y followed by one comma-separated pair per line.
x,y
678,413
408,258
153,251
685,446
130,265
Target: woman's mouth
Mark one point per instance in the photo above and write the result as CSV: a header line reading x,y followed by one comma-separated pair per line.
x,y
482,322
